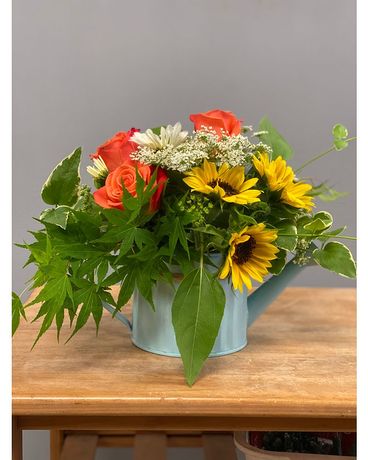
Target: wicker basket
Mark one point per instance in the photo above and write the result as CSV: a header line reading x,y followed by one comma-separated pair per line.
x,y
253,453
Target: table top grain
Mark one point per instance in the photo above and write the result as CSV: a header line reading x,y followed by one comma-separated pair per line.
x,y
300,361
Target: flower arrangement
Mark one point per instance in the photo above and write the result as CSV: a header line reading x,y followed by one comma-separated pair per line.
x,y
167,198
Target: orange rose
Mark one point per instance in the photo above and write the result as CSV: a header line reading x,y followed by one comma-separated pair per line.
x,y
116,150
218,120
110,195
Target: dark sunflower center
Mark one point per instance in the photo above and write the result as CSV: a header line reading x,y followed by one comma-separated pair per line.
x,y
243,251
229,189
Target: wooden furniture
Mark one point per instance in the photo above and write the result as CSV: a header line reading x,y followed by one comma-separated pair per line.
x,y
297,373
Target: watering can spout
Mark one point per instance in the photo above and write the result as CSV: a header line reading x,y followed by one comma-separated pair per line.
x,y
262,297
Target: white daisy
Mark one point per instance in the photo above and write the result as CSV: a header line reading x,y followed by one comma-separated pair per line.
x,y
99,169
171,135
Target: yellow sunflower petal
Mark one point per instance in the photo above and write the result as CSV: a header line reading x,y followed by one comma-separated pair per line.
x,y
225,269
233,176
246,279
210,171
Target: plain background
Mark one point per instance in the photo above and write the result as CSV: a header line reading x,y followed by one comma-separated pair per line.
x,y
83,70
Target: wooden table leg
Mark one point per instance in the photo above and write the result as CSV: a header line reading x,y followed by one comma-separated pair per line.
x,y
79,447
219,446
17,440
150,445
56,444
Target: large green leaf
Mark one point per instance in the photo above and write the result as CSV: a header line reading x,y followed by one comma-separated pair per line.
x,y
61,187
320,222
336,257
197,311
287,235
274,139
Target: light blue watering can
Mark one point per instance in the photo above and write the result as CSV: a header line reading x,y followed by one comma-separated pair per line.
x,y
153,330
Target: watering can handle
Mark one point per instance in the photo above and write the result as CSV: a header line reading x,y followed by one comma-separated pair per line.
x,y
118,315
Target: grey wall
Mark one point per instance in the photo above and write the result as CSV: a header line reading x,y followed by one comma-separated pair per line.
x,y
86,69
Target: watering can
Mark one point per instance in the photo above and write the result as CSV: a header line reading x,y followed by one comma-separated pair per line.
x,y
153,330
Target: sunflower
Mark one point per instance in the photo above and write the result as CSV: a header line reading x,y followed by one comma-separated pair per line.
x,y
228,183
280,176
277,173
249,255
294,194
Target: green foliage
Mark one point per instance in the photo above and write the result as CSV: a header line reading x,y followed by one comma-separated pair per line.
x,y
326,193
336,257
91,304
320,222
274,139
279,263
340,134
197,312
287,235
56,216
17,312
61,187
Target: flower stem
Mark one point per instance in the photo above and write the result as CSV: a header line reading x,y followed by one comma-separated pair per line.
x,y
306,235
320,155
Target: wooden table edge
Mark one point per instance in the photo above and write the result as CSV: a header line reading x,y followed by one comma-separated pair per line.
x,y
186,423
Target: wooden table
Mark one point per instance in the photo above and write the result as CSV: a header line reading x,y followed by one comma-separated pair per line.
x,y
297,373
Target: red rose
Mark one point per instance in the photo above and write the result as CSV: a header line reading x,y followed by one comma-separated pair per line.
x,y
218,120
110,195
116,150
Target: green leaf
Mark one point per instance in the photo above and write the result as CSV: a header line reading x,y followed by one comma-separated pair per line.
x,y
274,139
144,237
58,216
112,279
157,130
127,288
17,311
53,296
197,311
54,289
102,270
123,233
53,308
326,193
238,221
279,263
340,144
325,235
339,131
91,304
336,257
144,284
61,187
59,318
320,222
288,242
78,250
177,233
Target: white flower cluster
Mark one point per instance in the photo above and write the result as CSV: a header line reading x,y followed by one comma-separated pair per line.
x,y
204,144
181,158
